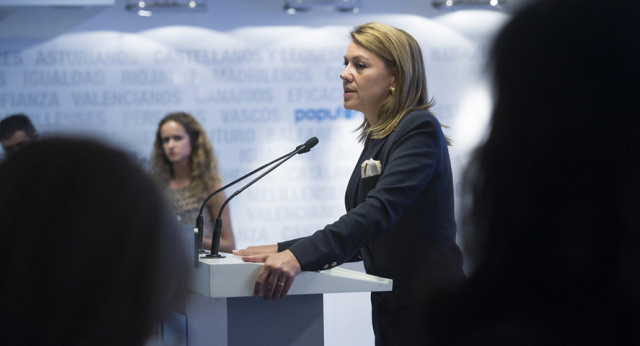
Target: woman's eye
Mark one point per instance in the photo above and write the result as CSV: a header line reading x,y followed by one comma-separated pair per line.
x,y
361,66
165,140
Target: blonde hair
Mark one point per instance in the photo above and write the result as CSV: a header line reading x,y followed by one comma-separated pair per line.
x,y
204,175
402,55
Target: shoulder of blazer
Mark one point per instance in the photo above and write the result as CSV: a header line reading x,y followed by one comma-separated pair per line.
x,y
415,119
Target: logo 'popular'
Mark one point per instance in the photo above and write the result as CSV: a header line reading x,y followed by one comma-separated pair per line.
x,y
323,114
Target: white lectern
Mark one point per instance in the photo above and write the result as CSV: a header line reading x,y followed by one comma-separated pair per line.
x,y
220,308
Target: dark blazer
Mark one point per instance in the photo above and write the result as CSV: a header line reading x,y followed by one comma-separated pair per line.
x,y
400,223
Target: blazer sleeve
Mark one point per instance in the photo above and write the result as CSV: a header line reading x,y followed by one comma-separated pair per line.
x,y
287,244
412,156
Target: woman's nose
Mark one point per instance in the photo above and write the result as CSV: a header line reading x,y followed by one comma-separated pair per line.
x,y
345,75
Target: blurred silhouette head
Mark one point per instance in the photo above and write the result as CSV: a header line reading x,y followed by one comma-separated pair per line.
x,y
554,191
90,253
16,131
555,188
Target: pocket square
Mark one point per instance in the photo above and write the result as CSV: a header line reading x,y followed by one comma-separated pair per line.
x,y
370,168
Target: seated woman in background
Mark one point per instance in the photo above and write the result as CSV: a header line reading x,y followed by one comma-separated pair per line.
x,y
183,161
91,254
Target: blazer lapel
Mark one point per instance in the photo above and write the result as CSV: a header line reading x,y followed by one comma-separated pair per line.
x,y
368,152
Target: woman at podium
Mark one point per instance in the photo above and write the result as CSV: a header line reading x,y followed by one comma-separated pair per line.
x,y
399,200
184,162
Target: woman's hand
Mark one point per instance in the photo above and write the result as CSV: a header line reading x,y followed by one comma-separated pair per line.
x,y
257,250
277,274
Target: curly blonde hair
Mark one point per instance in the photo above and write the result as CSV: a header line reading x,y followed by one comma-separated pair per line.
x,y
204,175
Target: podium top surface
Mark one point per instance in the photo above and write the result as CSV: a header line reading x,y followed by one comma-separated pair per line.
x,y
231,277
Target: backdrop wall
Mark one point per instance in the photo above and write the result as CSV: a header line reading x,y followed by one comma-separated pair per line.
x,y
261,82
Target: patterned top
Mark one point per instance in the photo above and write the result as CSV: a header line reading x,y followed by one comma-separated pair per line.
x,y
187,206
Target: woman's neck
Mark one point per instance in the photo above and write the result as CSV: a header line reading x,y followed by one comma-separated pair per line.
x,y
181,175
372,118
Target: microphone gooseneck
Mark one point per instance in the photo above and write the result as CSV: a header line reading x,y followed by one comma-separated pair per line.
x,y
217,232
200,217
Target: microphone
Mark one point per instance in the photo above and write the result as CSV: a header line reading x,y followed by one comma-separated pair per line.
x,y
217,230
310,143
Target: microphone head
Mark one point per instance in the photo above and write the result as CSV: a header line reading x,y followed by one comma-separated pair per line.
x,y
310,143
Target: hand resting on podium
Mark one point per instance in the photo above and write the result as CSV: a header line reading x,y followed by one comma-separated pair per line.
x,y
257,250
277,274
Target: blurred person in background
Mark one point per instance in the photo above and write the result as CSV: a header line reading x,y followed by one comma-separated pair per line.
x,y
90,250
16,131
553,225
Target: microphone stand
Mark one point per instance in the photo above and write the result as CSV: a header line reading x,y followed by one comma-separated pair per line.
x,y
200,217
217,230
